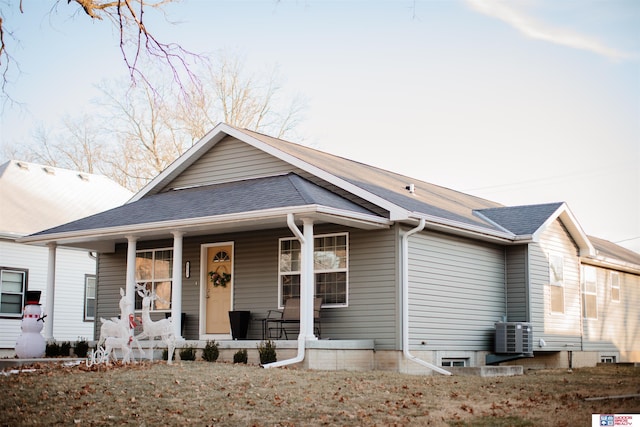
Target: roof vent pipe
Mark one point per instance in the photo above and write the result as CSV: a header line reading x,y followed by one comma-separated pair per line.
x,y
411,188
405,301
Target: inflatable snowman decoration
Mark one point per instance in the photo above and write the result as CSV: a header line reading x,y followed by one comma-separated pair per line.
x,y
30,343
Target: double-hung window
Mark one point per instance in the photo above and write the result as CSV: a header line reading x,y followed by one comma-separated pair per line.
x,y
13,286
590,292
556,283
154,270
89,297
330,265
615,286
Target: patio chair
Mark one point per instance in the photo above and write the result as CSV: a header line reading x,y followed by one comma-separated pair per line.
x,y
286,321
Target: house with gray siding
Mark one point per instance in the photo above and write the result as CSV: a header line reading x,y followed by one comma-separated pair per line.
x,y
413,277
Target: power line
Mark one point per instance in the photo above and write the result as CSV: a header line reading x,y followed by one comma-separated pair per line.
x,y
626,240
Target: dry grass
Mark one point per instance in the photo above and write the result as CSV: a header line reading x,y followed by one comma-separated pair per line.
x,y
222,394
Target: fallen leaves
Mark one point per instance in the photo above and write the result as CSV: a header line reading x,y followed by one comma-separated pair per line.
x,y
223,394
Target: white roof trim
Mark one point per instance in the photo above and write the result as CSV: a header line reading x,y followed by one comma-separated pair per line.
x,y
221,130
611,263
461,228
214,136
571,223
369,221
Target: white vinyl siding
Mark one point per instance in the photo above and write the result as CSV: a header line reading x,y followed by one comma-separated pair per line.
x,y
71,268
558,330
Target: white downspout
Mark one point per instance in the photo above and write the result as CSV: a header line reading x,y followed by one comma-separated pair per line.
x,y
405,300
301,336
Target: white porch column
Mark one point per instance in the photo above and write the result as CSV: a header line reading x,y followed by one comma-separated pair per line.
x,y
131,272
307,282
176,286
51,284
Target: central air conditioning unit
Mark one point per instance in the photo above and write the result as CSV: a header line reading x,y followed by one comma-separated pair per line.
x,y
514,338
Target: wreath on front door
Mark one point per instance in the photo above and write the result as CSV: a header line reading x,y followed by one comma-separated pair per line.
x,y
219,277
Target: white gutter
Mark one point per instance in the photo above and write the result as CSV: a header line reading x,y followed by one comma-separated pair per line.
x,y
301,337
465,229
614,264
405,300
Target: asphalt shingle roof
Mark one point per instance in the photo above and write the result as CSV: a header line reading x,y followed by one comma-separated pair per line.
x,y
611,250
521,220
429,199
211,200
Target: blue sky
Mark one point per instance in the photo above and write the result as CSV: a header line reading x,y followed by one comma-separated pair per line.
x,y
520,102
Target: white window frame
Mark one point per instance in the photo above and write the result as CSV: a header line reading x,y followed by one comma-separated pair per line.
x,y
449,362
22,293
90,296
615,286
154,281
556,261
589,290
292,268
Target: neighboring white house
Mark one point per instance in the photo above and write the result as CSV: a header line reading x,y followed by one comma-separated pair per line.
x,y
32,198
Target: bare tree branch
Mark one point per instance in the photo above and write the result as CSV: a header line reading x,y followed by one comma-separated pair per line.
x,y
142,130
137,41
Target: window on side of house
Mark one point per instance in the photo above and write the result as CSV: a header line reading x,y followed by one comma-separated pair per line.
x,y
607,359
452,361
615,286
590,292
556,283
330,265
89,297
154,271
13,286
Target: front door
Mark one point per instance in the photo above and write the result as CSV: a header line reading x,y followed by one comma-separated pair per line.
x,y
219,287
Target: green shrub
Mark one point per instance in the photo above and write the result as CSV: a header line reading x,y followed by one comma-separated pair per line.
x,y
211,351
82,348
241,356
65,349
188,353
267,352
52,349
165,354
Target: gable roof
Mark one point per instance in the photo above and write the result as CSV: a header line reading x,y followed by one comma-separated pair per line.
x,y
529,221
237,205
213,200
35,197
520,220
440,206
335,194
615,255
